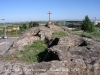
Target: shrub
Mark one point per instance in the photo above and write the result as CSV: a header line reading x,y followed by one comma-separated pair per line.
x,y
24,26
33,24
87,25
55,23
30,24
1,32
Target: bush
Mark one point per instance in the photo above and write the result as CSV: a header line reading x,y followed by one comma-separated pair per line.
x,y
87,25
55,23
24,26
58,34
33,24
1,32
30,24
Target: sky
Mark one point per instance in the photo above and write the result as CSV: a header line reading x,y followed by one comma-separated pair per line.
x,y
36,10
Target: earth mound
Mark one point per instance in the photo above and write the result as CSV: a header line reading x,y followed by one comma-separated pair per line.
x,y
68,55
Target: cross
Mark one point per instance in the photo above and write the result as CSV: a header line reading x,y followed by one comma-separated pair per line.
x,y
49,15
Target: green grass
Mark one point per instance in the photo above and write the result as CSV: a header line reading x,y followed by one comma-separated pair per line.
x,y
85,34
97,35
59,34
90,35
76,29
31,52
1,32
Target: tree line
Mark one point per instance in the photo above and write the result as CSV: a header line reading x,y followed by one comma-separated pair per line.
x,y
86,25
30,25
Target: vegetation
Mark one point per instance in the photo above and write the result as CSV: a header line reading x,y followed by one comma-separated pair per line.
x,y
59,23
87,25
1,32
90,35
30,54
24,26
76,29
59,34
33,24
32,51
85,34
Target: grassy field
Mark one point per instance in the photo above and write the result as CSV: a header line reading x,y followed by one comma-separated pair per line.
x,y
92,35
58,34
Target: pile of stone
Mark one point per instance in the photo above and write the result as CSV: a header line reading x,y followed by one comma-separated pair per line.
x,y
50,25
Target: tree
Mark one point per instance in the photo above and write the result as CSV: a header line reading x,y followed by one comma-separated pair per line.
x,y
21,27
87,25
24,26
33,24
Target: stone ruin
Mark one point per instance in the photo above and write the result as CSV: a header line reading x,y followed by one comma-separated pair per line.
x,y
70,55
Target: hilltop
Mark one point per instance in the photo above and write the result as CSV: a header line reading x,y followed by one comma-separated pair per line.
x,y
63,54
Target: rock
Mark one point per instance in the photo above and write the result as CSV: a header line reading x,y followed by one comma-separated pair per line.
x,y
25,41
50,25
71,55
70,41
29,36
65,28
75,47
76,67
45,33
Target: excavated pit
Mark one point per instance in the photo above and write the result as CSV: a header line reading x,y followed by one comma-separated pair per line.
x,y
49,55
84,43
53,55
54,42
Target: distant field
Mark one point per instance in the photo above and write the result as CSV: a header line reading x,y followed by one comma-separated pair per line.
x,y
2,25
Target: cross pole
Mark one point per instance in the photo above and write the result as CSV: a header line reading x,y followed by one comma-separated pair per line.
x,y
49,15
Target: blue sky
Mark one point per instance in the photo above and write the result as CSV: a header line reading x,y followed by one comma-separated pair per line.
x,y
32,10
